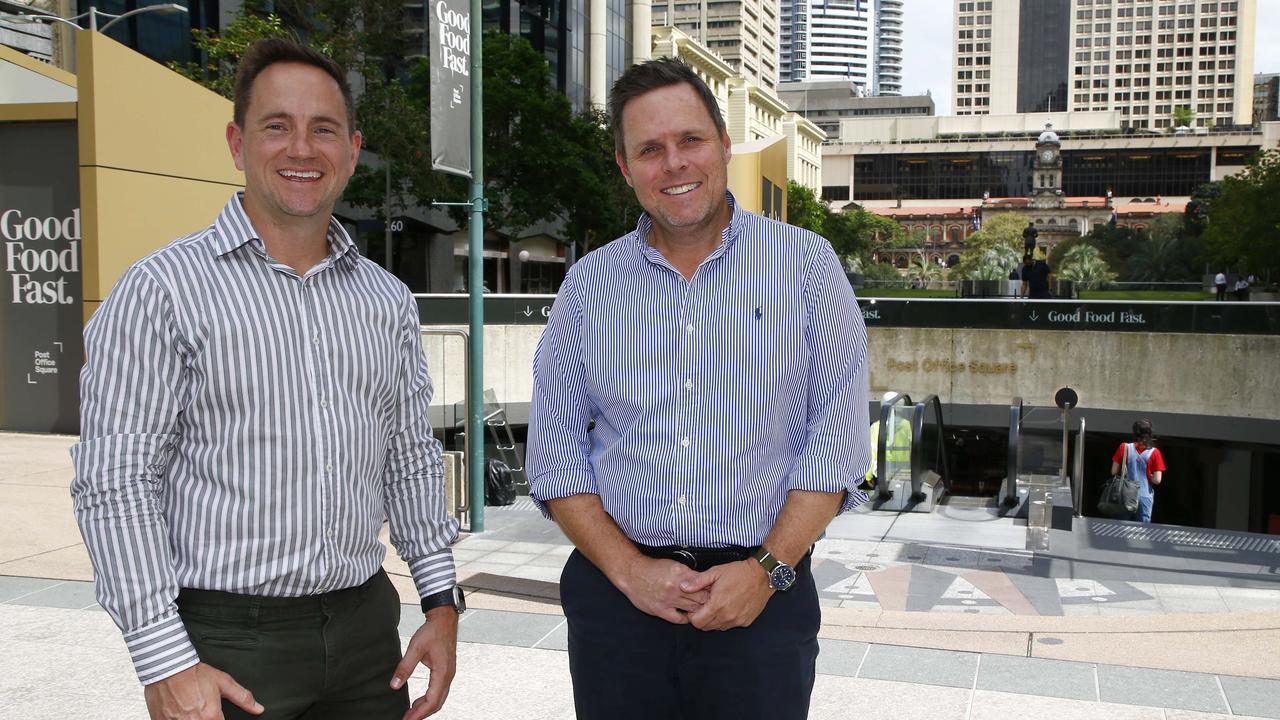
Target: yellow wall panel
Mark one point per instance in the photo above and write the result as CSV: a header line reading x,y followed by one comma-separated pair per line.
x,y
139,115
127,215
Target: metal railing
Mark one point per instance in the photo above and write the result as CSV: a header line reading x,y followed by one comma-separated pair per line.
x,y
466,503
1077,472
1009,488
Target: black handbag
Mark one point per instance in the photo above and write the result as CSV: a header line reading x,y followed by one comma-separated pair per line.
x,y
1120,493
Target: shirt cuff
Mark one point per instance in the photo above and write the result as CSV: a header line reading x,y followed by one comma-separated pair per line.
x,y
434,573
161,649
556,484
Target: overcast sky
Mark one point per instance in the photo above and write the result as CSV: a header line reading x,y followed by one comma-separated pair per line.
x,y
927,52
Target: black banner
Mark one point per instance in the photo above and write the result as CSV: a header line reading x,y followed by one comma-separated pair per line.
x,y
1091,315
41,308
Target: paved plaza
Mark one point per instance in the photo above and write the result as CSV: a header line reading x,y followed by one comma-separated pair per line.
x,y
944,615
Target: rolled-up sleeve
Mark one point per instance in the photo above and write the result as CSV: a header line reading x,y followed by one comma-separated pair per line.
x,y
835,456
132,390
422,529
559,447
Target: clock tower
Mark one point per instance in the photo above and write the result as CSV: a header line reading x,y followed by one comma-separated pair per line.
x,y
1046,177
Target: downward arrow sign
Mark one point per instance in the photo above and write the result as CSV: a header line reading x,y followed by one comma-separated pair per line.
x,y
528,311
1033,316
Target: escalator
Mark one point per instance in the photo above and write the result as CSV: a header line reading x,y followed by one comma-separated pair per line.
x,y
909,454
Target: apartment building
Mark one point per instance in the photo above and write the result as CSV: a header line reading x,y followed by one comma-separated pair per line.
x,y
1141,58
743,32
855,41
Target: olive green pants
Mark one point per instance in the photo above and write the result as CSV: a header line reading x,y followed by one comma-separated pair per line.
x,y
318,657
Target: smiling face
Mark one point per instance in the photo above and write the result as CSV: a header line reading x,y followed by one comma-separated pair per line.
x,y
295,148
677,162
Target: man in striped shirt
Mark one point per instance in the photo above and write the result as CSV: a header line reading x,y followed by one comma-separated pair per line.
x,y
254,403
699,416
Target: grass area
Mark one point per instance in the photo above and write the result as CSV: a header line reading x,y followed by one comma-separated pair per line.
x,y
1180,295
885,292
1119,295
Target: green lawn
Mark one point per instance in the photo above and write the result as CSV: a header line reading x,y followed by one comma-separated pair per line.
x,y
1121,295
883,292
1182,295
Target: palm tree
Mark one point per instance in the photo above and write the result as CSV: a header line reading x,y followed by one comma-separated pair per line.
x,y
923,269
994,263
1084,266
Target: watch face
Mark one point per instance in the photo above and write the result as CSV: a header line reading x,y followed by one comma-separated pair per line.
x,y
1046,155
782,577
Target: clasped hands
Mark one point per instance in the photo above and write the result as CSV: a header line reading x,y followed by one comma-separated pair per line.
x,y
720,598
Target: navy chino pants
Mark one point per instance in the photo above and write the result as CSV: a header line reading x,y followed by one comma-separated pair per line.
x,y
627,665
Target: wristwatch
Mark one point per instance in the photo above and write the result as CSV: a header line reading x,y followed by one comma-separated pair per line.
x,y
781,575
452,597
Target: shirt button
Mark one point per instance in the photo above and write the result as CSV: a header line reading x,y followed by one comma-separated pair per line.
x,y
315,339
329,533
328,468
681,500
688,384
689,327
324,403
685,442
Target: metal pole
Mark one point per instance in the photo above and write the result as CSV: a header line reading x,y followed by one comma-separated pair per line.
x,y
475,410
93,18
1066,418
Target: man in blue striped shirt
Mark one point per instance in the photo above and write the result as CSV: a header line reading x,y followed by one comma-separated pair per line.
x,y
253,404
699,416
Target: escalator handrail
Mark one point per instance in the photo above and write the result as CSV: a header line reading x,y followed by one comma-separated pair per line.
x,y
886,410
917,446
1009,488
1077,472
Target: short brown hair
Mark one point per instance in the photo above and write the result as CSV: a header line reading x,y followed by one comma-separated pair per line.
x,y
652,75
265,53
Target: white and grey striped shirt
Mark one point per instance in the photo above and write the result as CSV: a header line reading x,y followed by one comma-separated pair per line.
x,y
245,429
711,397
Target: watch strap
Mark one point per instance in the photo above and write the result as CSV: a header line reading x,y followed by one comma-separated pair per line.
x,y
453,597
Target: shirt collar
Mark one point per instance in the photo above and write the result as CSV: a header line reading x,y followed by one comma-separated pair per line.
x,y
234,229
728,236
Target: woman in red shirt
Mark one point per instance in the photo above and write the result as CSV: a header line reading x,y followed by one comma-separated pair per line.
x,y
1145,464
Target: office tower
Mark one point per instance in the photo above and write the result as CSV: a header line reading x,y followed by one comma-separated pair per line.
x,y
743,32
857,41
1141,58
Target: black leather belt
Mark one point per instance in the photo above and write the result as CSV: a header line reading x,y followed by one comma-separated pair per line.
x,y
698,558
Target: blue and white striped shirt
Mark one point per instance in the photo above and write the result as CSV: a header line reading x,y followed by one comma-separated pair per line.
x,y
245,429
712,397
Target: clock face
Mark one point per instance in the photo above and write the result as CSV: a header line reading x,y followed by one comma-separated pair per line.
x,y
1046,155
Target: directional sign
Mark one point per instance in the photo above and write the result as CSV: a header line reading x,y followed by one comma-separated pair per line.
x,y
1100,316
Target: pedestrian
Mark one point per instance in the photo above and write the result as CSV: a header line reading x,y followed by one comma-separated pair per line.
x,y
1220,283
1242,289
699,416
1037,278
1145,464
254,403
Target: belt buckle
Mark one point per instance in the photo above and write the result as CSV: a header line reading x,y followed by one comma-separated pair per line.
x,y
686,557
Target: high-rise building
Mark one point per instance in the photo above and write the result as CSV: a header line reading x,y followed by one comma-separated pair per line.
x,y
857,41
1142,58
1266,97
743,32
889,48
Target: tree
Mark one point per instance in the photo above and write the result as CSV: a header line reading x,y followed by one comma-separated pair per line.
x,y
1084,266
1244,221
855,233
805,209
1166,252
1196,216
923,269
997,244
1182,116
